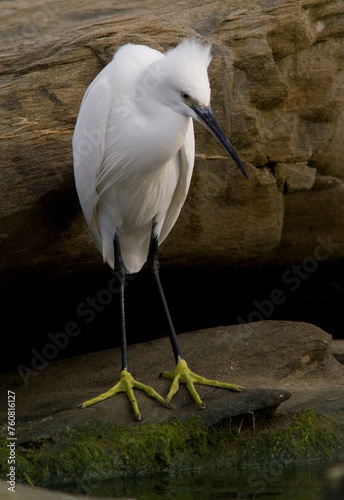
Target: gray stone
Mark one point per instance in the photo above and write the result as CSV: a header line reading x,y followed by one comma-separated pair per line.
x,y
295,177
269,358
24,492
283,365
338,350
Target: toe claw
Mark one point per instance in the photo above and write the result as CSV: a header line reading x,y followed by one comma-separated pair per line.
x,y
166,375
168,403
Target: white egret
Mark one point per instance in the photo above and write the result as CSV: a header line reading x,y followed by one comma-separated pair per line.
x,y
133,150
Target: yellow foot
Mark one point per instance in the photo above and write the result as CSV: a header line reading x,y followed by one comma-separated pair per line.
x,y
182,373
126,384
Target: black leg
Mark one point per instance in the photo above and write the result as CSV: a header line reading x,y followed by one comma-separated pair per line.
x,y
126,382
153,265
120,273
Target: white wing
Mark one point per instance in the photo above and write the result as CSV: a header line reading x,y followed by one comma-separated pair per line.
x,y
89,146
185,162
94,170
118,188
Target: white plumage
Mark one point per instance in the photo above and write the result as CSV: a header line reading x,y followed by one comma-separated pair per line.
x,y
133,145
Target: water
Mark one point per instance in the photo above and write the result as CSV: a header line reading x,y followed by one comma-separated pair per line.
x,y
217,484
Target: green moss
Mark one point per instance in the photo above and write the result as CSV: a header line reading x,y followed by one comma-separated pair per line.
x,y
101,452
293,439
21,464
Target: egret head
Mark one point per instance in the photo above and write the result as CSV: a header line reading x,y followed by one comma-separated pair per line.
x,y
186,89
186,66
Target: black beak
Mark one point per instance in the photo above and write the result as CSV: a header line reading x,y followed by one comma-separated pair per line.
x,y
206,117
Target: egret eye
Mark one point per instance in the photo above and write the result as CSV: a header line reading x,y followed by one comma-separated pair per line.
x,y
185,96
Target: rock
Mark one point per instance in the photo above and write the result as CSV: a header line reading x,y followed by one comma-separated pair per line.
x,y
252,402
334,489
295,177
270,355
25,492
276,77
338,350
274,361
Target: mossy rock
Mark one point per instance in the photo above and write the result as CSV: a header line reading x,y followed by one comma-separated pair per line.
x,y
80,457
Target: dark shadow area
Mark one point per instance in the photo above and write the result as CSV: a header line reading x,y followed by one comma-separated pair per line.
x,y
63,316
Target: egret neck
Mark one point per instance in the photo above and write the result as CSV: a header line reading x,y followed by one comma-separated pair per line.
x,y
161,132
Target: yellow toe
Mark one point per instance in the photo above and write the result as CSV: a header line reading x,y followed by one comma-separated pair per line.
x,y
182,373
126,384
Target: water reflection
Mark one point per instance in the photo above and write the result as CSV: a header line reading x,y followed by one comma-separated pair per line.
x,y
216,484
